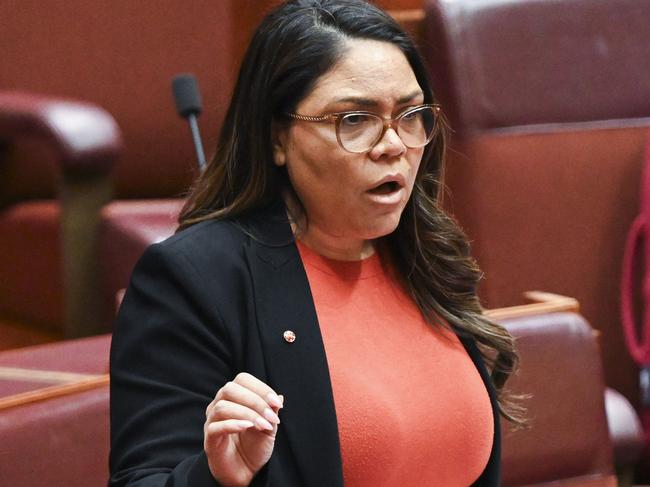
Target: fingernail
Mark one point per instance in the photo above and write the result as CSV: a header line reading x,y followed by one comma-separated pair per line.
x,y
271,416
274,400
263,423
244,423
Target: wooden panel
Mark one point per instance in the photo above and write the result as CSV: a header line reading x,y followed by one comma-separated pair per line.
x,y
16,335
247,14
412,21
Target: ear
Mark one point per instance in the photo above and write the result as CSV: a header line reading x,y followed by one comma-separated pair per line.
x,y
279,139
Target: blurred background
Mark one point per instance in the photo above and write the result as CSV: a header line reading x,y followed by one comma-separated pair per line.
x,y
549,106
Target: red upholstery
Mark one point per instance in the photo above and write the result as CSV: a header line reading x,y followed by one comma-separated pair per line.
x,y
81,141
84,137
568,436
127,228
29,247
83,356
548,145
569,61
62,441
122,57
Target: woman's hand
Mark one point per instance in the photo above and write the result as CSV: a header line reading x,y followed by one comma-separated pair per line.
x,y
239,431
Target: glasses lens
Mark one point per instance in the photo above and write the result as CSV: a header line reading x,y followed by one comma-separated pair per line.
x,y
416,127
358,132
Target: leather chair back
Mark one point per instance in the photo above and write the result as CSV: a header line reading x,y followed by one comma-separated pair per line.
x,y
567,441
549,103
120,56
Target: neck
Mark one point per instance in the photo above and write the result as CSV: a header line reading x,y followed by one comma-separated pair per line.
x,y
335,247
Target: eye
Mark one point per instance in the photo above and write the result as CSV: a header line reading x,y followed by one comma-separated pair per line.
x,y
354,120
411,116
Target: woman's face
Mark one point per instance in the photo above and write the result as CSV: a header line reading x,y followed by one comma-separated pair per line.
x,y
347,205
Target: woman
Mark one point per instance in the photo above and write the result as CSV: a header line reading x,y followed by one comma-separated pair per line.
x,y
316,320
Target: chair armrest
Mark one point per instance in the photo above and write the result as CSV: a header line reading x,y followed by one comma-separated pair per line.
x,y
567,441
85,137
625,429
86,141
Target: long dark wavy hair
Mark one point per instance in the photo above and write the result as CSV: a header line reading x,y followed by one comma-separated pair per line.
x,y
293,47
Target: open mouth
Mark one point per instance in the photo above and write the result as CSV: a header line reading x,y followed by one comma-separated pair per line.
x,y
386,188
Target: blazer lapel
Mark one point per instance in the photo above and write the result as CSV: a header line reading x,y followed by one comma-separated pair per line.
x,y
297,369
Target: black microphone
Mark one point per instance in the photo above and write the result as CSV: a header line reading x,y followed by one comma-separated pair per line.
x,y
188,105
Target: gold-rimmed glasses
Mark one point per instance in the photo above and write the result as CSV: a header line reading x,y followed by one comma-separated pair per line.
x,y
360,131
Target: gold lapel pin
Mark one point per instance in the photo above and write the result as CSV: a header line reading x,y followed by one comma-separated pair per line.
x,y
289,336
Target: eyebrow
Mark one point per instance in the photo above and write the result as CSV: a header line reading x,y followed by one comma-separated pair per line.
x,y
368,102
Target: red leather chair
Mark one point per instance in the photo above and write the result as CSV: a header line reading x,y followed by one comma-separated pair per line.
x,y
567,441
122,56
51,147
59,441
54,414
127,228
549,104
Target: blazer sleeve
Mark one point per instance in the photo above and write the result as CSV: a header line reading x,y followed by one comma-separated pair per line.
x,y
169,356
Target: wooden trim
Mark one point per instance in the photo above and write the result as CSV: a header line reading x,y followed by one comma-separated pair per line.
x,y
540,302
53,391
412,21
16,373
408,16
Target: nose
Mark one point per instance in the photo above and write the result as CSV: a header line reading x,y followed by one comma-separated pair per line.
x,y
390,145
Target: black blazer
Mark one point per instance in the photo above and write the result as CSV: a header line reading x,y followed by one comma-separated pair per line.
x,y
206,304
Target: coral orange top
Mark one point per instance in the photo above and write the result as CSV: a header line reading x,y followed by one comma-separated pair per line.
x,y
411,406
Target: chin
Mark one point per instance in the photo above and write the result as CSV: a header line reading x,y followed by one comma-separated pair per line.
x,y
383,226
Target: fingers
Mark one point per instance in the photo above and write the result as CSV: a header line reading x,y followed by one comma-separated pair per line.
x,y
237,393
229,426
224,410
260,388
246,398
254,385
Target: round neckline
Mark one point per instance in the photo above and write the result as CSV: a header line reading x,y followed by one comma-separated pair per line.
x,y
345,269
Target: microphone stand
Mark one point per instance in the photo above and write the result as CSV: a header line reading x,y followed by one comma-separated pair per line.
x,y
188,105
